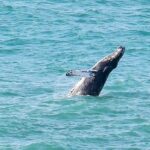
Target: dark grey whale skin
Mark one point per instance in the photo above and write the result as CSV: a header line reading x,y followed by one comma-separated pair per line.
x,y
93,85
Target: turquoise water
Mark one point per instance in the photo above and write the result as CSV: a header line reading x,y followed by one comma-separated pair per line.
x,y
40,41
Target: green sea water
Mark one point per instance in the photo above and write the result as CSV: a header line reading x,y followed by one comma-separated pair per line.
x,y
40,41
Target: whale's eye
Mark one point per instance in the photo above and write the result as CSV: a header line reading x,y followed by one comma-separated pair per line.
x,y
108,69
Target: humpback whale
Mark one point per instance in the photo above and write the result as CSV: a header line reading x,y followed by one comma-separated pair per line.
x,y
93,80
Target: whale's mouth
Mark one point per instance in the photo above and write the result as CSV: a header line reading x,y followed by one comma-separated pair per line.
x,y
110,62
118,53
115,55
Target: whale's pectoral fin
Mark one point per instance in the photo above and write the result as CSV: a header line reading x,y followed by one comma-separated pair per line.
x,y
82,73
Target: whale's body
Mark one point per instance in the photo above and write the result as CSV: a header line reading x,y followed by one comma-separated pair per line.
x,y
93,85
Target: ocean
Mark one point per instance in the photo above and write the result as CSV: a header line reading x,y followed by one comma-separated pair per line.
x,y
40,41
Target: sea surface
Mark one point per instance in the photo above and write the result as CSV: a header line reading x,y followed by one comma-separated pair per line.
x,y
40,40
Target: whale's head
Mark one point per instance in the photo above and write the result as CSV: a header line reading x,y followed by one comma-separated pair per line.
x,y
110,62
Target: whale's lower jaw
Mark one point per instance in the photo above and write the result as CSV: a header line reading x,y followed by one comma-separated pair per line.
x,y
93,85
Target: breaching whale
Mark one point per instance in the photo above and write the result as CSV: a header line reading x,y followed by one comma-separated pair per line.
x,y
93,80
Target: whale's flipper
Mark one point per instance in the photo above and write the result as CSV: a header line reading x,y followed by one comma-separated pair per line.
x,y
82,73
